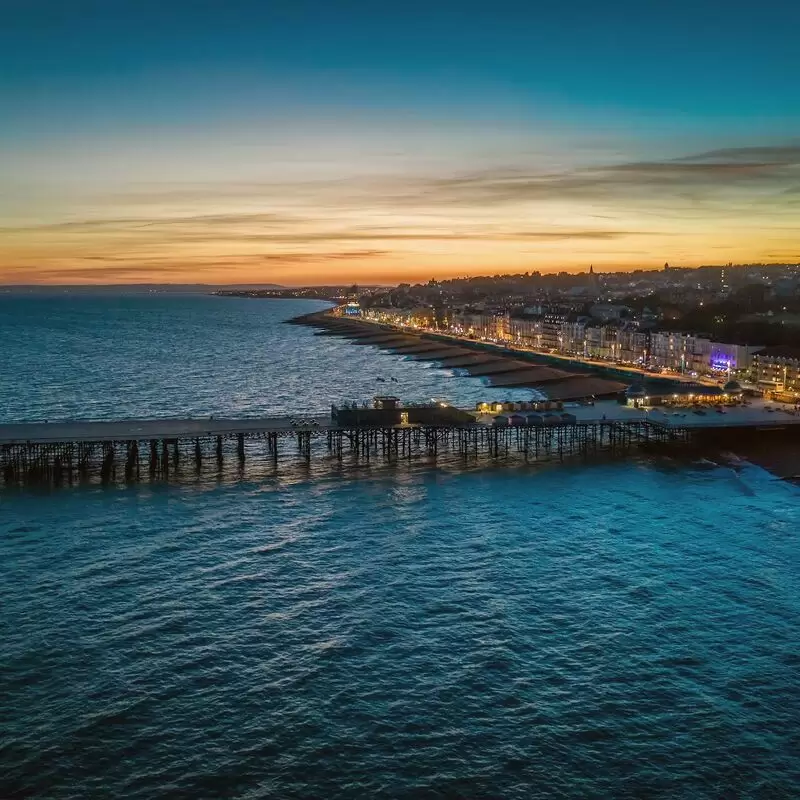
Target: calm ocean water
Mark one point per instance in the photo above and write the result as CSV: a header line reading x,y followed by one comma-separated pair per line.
x,y
621,630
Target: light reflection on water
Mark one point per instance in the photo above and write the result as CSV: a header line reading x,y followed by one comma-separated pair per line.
x,y
607,629
84,357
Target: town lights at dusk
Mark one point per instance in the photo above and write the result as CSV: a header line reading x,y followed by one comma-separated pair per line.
x,y
399,400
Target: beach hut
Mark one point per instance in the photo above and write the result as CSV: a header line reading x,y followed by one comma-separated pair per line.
x,y
534,419
500,421
569,419
516,419
551,419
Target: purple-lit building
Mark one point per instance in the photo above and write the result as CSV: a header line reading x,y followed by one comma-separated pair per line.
x,y
732,357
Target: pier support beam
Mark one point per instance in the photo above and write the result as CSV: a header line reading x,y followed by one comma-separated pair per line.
x,y
132,460
107,468
153,456
53,462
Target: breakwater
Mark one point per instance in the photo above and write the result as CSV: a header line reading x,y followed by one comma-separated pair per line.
x,y
555,379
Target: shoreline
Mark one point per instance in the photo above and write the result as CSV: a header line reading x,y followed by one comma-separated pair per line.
x,y
501,367
498,365
575,364
357,328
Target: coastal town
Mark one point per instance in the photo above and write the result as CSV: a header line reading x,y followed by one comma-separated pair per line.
x,y
705,326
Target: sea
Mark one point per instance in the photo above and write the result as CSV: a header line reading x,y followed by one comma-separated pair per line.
x,y
592,629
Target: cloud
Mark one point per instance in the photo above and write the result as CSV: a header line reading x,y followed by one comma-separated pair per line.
x,y
698,179
684,170
144,223
776,154
693,178
699,201
110,273
165,268
381,235
311,258
277,229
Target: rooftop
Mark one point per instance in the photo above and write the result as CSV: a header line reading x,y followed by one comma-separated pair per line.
x,y
780,351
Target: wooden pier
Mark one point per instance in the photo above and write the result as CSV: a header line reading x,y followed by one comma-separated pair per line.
x,y
134,450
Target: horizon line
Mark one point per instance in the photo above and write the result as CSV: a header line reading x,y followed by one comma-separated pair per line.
x,y
289,287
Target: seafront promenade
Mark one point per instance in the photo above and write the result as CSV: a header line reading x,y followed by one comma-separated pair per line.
x,y
553,376
571,361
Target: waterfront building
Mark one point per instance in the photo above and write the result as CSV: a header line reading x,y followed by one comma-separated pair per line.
x,y
493,327
601,342
731,358
552,336
777,371
388,411
526,332
633,345
573,334
463,323
684,396
562,331
421,317
681,352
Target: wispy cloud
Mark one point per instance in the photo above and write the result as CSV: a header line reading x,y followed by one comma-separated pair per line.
x,y
118,269
701,175
145,223
777,154
725,198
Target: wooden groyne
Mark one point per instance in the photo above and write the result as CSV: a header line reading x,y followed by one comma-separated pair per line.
x,y
497,366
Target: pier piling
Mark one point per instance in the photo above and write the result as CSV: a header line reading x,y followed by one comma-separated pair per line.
x,y
87,456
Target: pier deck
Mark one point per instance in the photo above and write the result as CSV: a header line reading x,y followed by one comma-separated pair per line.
x,y
192,427
123,430
59,452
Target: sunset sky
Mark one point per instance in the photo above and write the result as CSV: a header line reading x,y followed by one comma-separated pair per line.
x,y
303,142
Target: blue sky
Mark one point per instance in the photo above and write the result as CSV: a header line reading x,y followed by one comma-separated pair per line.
x,y
187,110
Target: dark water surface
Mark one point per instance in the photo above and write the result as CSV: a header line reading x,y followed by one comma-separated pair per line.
x,y
603,630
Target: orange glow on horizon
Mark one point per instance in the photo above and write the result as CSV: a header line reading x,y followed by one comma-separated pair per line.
x,y
385,223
